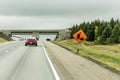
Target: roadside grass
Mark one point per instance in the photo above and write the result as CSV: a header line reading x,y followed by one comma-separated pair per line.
x,y
2,40
106,54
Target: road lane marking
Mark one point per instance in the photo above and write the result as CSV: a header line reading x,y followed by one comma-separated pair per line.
x,y
51,65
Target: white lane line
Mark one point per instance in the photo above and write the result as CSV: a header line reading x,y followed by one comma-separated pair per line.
x,y
51,65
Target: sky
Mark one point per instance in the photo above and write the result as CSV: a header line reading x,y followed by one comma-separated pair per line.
x,y
54,14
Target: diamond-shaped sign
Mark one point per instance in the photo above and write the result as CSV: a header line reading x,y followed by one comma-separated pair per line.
x,y
80,36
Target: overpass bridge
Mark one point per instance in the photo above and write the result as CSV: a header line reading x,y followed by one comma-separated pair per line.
x,y
34,33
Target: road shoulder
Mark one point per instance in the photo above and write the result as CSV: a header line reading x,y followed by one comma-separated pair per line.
x,y
76,67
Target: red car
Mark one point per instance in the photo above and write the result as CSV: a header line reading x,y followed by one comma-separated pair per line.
x,y
31,42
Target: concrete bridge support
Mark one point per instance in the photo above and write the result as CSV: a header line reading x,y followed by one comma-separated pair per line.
x,y
36,35
6,32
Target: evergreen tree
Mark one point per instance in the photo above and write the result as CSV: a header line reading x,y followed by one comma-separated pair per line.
x,y
100,31
114,38
112,23
90,33
117,21
74,29
119,39
97,22
105,34
96,33
101,27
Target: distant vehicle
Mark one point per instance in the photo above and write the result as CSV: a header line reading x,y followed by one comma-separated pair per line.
x,y
31,42
21,39
48,39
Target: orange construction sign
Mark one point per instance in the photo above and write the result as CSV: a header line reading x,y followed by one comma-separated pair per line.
x,y
80,36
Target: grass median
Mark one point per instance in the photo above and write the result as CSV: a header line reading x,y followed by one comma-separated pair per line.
x,y
108,55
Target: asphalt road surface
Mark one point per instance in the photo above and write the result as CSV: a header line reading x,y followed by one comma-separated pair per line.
x,y
74,67
19,62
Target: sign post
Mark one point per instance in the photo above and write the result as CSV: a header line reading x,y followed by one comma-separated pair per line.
x,y
79,37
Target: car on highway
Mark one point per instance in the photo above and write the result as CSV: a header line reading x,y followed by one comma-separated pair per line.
x,y
31,41
48,39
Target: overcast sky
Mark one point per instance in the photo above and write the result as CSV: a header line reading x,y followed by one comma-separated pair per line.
x,y
54,14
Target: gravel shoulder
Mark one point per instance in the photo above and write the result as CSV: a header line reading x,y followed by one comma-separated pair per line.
x,y
73,67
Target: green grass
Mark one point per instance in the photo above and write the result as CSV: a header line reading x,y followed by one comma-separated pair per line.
x,y
2,40
106,54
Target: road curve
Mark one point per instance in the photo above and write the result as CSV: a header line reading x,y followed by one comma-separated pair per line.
x,y
18,62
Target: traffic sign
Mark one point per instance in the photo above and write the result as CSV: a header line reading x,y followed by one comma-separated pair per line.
x,y
80,36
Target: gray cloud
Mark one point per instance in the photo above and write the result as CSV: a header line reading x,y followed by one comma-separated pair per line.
x,y
54,13
53,7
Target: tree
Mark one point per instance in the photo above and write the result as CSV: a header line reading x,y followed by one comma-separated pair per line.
x,y
73,30
119,40
101,27
114,38
105,34
112,23
96,33
90,32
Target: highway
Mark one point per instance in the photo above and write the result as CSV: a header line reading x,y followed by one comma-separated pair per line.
x,y
19,62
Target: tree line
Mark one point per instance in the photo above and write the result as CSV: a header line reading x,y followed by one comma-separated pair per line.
x,y
101,32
